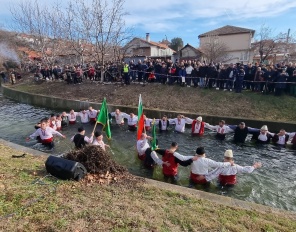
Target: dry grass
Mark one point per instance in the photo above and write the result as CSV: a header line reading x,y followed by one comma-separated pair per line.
x,y
73,206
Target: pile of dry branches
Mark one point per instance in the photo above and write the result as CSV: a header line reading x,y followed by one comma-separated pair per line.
x,y
100,166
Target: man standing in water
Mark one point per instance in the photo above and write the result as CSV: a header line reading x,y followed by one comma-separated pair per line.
x,y
227,175
80,139
170,161
200,167
46,134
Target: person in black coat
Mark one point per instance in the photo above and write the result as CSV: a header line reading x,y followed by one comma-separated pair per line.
x,y
211,75
240,133
280,82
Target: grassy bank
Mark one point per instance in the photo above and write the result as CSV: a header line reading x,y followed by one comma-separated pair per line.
x,y
50,205
174,98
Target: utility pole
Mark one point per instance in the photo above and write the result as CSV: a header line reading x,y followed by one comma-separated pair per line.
x,y
287,45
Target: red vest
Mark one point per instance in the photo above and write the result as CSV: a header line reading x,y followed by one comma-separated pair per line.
x,y
227,180
201,130
172,170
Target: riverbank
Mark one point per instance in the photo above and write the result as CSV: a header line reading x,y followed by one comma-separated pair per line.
x,y
50,205
248,105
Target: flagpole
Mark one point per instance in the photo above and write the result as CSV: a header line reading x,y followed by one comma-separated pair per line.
x,y
95,127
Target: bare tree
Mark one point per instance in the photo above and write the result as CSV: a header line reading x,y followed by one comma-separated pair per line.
x,y
215,50
268,45
97,29
41,24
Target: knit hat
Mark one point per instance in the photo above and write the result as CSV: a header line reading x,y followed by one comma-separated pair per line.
x,y
264,128
228,154
199,118
200,150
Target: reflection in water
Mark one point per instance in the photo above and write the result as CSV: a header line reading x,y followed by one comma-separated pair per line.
x,y
272,185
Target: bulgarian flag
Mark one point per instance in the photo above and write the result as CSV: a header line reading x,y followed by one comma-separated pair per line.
x,y
140,118
103,119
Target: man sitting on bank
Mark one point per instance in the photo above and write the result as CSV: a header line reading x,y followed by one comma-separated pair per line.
x,y
227,175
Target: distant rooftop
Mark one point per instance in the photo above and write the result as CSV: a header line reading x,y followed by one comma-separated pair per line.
x,y
227,30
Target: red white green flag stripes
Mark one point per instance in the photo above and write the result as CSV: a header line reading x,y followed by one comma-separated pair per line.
x,y
140,118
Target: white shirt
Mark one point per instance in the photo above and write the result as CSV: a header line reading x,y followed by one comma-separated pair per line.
x,y
262,137
282,138
92,113
131,121
228,171
197,128
86,139
220,130
53,125
180,124
100,143
148,122
142,145
119,118
58,123
156,159
201,165
189,69
84,118
45,134
72,117
163,124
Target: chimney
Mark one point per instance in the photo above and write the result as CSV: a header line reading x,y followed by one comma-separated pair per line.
x,y
147,37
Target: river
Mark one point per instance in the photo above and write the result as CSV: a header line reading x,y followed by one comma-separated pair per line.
x,y
272,185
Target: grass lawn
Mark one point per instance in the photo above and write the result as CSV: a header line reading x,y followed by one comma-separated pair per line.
x,y
51,205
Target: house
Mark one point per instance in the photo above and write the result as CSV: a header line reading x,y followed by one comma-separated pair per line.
x,y
188,52
236,41
274,52
147,48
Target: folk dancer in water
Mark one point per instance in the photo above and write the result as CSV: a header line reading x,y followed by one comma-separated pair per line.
x,y
227,175
46,134
80,140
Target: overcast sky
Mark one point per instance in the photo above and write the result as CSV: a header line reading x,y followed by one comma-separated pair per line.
x,y
189,18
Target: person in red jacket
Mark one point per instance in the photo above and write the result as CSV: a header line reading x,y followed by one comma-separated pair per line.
x,y
171,159
198,127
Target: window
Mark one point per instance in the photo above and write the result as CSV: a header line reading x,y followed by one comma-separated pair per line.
x,y
244,56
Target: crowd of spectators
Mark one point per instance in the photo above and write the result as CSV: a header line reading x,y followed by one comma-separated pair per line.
x,y
269,79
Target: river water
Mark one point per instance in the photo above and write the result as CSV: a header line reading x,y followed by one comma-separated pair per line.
x,y
273,185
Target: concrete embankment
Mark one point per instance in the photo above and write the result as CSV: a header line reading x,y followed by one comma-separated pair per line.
x,y
55,103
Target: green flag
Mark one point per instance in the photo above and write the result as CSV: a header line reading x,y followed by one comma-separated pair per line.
x,y
103,119
153,141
